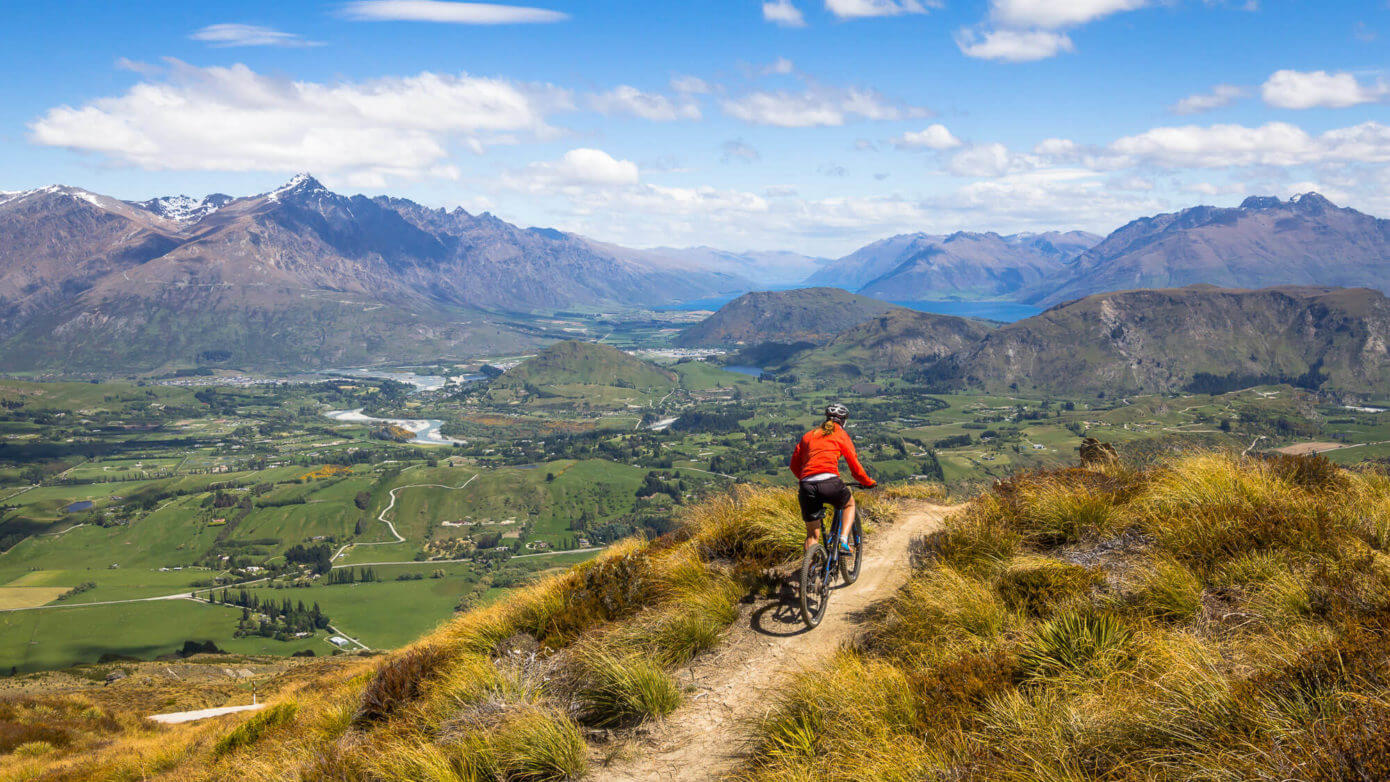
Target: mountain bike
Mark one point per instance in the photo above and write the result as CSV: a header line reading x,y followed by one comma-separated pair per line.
x,y
820,566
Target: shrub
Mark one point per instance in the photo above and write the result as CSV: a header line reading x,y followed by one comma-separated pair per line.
x,y
1056,513
759,526
531,745
33,749
250,731
1353,747
1077,642
399,681
1312,472
1168,590
979,540
941,603
617,691
1040,585
846,706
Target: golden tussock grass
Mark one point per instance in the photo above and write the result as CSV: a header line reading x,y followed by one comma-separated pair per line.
x,y
1206,618
499,693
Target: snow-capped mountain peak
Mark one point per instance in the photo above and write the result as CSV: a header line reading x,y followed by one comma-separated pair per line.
x,y
71,192
302,184
185,209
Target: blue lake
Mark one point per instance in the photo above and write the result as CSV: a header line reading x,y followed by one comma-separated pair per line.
x,y
1005,311
744,370
79,506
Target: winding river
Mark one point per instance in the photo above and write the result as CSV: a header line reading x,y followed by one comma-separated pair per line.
x,y
426,429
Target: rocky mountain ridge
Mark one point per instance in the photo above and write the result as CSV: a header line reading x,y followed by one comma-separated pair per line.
x,y
90,281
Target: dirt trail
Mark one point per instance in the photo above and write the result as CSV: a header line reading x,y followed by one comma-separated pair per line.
x,y
704,738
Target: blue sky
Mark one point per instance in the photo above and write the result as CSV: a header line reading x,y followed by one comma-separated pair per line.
x,y
814,125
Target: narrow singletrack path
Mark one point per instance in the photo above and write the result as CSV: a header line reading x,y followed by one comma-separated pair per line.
x,y
705,738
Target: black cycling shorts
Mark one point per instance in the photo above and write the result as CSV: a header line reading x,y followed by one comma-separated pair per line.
x,y
815,495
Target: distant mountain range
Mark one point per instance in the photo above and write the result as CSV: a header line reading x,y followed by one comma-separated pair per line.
x,y
299,277
1198,338
304,278
920,267
1264,242
770,268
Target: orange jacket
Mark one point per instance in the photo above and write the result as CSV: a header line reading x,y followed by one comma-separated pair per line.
x,y
819,452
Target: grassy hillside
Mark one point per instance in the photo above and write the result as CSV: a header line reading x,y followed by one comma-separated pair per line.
x,y
806,315
584,363
502,692
310,331
898,342
585,374
1206,619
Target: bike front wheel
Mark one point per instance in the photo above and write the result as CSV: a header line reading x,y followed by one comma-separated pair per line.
x,y
852,562
815,585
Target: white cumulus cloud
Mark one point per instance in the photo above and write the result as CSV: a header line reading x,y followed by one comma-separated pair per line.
x,y
779,67
448,12
856,9
625,99
989,160
782,12
225,35
934,136
814,106
690,85
1272,144
1319,89
581,167
1057,13
1013,45
1221,96
234,119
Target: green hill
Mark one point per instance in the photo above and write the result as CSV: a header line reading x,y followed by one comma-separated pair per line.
x,y
585,363
574,375
807,315
899,341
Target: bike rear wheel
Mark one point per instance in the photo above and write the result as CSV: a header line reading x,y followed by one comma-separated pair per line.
x,y
815,585
851,563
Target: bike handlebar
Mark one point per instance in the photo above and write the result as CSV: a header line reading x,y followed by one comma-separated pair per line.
x,y
858,485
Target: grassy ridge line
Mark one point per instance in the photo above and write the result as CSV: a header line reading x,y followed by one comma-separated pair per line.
x,y
1209,618
503,692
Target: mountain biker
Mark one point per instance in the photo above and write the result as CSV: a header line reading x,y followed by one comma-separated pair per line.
x,y
816,464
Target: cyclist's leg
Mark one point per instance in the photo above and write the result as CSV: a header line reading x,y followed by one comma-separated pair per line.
x,y
848,523
812,511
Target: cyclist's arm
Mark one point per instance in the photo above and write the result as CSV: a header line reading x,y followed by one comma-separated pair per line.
x,y
798,460
852,459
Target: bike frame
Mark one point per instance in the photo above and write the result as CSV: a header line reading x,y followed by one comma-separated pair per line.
x,y
832,544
